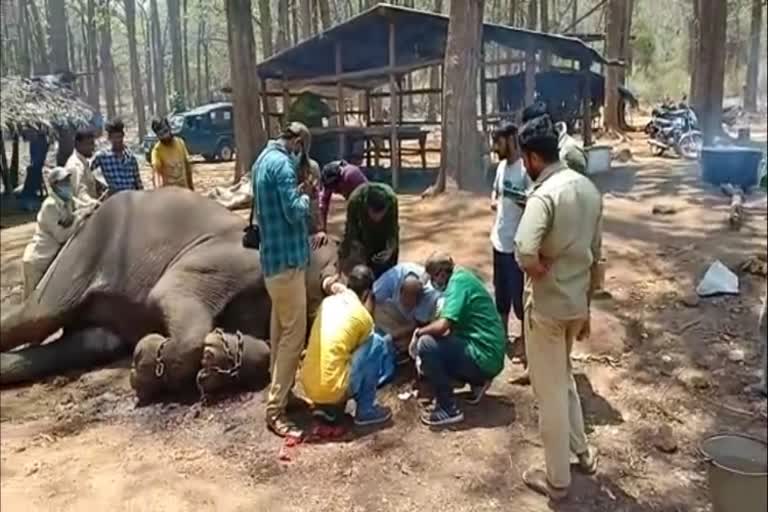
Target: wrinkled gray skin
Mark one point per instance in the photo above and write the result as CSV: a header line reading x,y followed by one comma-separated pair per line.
x,y
168,262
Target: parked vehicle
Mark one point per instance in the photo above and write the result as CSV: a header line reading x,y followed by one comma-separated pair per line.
x,y
675,127
207,130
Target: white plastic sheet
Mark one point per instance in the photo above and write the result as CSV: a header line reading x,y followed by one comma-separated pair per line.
x,y
718,280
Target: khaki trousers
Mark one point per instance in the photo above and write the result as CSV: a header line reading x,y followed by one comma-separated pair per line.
x,y
288,329
561,424
33,273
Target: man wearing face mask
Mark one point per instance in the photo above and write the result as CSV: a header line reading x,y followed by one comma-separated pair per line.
x,y
56,222
558,245
283,211
466,343
170,160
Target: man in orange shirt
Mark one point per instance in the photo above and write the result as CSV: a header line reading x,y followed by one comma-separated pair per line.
x,y
170,160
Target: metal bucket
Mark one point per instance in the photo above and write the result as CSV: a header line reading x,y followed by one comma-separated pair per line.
x,y
737,472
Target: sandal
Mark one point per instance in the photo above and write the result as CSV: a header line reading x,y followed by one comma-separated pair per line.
x,y
283,427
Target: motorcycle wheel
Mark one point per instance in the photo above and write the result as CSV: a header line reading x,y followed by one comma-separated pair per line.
x,y
689,146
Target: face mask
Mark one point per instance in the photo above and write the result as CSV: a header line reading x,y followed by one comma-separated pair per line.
x,y
63,191
295,159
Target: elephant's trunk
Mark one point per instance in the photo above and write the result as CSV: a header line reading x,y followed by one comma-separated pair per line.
x,y
26,324
84,349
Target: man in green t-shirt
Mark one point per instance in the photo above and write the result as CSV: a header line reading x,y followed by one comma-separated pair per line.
x,y
466,342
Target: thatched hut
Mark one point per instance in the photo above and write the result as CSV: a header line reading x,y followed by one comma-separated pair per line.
x,y
42,104
39,109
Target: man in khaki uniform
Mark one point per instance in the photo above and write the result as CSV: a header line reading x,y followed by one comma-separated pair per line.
x,y
558,246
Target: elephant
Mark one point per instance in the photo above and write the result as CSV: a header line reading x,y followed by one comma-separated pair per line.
x,y
159,272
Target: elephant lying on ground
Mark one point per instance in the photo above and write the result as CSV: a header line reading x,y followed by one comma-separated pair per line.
x,y
163,271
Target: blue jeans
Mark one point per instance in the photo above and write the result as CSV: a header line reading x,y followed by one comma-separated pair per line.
x,y
508,283
443,361
366,368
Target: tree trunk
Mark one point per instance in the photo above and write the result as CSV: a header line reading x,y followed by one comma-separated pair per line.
x,y
434,79
693,47
460,141
265,16
710,63
283,25
295,22
626,44
199,53
614,28
92,55
185,48
546,57
532,21
158,66
105,54
513,13
753,65
575,14
57,35
148,61
25,59
174,28
325,13
41,63
306,19
133,58
249,131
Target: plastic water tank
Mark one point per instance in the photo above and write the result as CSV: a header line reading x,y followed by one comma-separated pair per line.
x,y
735,165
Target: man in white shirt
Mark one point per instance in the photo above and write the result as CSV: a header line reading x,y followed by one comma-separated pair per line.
x,y
507,200
87,184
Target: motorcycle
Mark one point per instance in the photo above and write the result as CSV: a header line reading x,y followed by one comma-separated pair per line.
x,y
675,127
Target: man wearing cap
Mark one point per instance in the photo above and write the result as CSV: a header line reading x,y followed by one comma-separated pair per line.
x,y
558,245
372,233
339,177
170,160
282,207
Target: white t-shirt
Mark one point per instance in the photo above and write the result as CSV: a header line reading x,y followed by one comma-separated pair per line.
x,y
508,213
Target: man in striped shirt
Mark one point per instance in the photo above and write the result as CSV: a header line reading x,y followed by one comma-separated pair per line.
x,y
283,212
117,164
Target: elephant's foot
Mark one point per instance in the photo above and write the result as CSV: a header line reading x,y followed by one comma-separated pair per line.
x,y
232,361
77,350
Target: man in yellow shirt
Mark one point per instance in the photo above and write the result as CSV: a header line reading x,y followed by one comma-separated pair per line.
x,y
170,160
344,355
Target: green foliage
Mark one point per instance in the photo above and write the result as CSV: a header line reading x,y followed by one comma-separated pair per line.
x,y
643,46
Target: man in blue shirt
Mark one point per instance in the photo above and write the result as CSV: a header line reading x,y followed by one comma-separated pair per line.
x,y
118,165
282,207
404,301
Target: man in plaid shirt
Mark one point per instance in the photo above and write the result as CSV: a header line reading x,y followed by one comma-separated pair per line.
x,y
283,212
118,165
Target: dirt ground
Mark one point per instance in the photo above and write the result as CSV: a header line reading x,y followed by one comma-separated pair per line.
x,y
656,358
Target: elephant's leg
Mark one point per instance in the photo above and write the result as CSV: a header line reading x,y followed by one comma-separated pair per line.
x,y
75,350
170,364
232,360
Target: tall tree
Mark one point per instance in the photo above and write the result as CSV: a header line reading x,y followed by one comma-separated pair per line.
x,y
249,131
145,24
753,65
25,56
460,141
185,47
90,38
283,25
434,79
199,51
133,58
57,35
177,60
105,57
532,21
693,47
614,26
306,18
35,23
710,63
325,13
158,67
265,18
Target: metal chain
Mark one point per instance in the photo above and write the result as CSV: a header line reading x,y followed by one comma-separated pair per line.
x,y
233,372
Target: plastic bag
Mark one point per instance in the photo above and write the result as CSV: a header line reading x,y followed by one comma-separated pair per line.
x,y
718,280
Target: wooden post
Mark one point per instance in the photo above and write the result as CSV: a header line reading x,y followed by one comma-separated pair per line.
x,y
340,101
265,107
586,120
530,75
483,94
286,102
367,120
394,143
